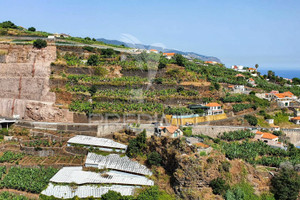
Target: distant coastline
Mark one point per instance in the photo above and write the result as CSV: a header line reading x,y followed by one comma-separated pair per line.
x,y
289,73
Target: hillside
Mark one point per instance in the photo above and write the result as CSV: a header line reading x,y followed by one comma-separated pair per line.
x,y
147,47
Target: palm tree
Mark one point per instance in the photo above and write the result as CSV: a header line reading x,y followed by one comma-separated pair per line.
x,y
256,66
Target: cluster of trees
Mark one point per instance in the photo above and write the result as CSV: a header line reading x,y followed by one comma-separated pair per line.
x,y
137,145
8,24
241,107
252,120
236,135
39,43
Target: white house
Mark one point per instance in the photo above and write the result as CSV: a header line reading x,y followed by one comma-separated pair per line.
x,y
169,55
239,68
284,99
251,81
270,121
169,131
214,109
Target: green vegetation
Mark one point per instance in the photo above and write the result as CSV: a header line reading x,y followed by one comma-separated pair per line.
x,y
286,185
240,107
136,145
28,179
39,44
245,191
178,111
93,60
260,153
187,131
72,59
32,29
10,156
252,120
236,135
8,24
219,186
154,158
11,196
116,107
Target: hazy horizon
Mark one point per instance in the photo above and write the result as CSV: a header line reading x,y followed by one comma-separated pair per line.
x,y
237,32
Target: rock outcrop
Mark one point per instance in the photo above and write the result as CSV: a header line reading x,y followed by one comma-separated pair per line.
x,y
24,79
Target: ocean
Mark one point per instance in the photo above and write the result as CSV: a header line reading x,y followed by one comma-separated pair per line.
x,y
291,73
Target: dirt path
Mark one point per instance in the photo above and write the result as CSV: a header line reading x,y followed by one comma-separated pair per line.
x,y
26,194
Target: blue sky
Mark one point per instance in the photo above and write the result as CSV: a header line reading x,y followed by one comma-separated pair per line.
x,y
244,32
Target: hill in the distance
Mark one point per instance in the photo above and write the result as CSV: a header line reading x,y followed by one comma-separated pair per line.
x,y
143,46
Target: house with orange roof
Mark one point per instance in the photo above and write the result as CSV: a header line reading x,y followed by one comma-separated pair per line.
x,y
250,69
169,55
265,137
214,109
269,139
284,99
169,131
211,62
251,81
296,120
153,51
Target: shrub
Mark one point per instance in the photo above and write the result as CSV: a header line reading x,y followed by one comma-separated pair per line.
x,y
154,158
93,60
100,71
286,185
136,145
151,193
40,44
111,195
226,166
252,120
32,29
219,186
93,90
187,131
179,59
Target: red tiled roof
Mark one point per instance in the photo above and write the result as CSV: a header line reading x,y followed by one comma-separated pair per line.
x,y
296,118
269,136
252,68
251,79
171,129
153,50
285,94
212,104
168,54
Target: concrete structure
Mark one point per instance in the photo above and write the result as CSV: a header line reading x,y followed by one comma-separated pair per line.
x,y
115,162
284,99
102,144
192,119
6,123
270,121
251,81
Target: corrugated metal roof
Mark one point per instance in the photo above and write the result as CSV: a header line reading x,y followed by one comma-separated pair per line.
x,y
114,161
78,176
67,192
94,141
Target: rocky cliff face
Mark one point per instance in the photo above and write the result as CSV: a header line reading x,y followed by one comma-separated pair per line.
x,y
24,80
191,173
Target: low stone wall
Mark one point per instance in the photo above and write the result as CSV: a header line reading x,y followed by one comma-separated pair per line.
x,y
213,131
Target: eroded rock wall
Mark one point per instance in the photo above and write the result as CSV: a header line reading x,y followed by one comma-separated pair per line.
x,y
24,84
